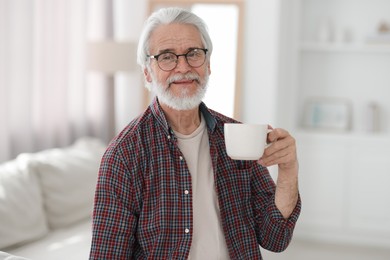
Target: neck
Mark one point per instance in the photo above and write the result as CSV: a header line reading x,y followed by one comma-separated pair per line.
x,y
182,121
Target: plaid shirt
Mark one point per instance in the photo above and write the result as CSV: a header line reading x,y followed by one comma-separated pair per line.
x,y
143,201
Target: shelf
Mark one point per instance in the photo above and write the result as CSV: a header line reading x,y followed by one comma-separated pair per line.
x,y
346,47
345,135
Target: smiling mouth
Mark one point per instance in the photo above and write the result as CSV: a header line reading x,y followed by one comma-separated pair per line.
x,y
183,82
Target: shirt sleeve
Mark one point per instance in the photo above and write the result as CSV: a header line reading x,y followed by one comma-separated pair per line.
x,y
114,215
273,231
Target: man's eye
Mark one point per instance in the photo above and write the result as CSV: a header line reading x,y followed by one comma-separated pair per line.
x,y
167,57
194,54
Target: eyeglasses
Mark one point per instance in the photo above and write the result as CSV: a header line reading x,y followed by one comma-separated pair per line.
x,y
167,61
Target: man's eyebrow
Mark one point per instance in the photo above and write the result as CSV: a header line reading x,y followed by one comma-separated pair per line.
x,y
173,51
166,50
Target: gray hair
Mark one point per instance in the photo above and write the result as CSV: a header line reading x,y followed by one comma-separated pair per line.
x,y
168,16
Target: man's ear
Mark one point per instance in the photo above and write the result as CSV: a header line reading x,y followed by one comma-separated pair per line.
x,y
147,75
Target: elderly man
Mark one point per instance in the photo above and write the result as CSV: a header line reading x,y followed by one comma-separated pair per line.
x,y
166,187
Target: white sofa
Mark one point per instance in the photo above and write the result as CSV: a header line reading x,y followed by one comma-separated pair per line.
x,y
46,201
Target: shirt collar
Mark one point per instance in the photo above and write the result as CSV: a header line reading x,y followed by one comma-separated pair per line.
x,y
160,116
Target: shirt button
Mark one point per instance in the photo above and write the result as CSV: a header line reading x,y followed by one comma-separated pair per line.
x,y
181,158
186,192
169,137
187,230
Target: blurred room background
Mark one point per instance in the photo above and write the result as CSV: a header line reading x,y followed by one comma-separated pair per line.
x,y
320,69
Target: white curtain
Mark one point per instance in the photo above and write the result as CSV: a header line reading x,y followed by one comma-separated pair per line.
x,y
47,98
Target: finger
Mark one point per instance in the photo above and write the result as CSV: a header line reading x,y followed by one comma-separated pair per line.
x,y
279,145
281,156
280,151
283,159
277,133
287,158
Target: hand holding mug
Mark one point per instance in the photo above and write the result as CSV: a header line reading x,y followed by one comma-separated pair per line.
x,y
281,151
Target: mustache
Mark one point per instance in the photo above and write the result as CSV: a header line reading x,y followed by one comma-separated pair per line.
x,y
187,76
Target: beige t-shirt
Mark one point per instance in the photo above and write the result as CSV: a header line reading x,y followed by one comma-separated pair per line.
x,y
208,240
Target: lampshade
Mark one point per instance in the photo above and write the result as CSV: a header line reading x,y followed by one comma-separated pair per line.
x,y
111,56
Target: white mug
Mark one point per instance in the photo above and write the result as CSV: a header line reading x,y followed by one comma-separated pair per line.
x,y
245,141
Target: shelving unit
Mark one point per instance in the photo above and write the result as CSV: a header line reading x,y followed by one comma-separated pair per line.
x,y
333,66
346,48
343,174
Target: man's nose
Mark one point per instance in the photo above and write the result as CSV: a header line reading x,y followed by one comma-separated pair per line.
x,y
182,63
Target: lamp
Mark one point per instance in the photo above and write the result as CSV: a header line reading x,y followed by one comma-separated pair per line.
x,y
107,58
110,57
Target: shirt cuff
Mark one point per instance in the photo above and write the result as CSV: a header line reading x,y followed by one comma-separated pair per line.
x,y
276,216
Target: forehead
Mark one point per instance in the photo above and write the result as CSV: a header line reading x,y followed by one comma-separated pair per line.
x,y
174,37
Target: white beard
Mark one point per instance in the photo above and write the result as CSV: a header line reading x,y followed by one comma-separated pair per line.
x,y
183,101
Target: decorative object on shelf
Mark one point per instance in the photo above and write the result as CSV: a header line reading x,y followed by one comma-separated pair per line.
x,y
373,117
384,27
328,32
325,32
382,35
327,114
344,35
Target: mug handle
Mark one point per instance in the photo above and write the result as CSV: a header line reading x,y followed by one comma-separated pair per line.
x,y
268,144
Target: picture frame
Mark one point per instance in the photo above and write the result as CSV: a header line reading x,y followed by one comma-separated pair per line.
x,y
327,114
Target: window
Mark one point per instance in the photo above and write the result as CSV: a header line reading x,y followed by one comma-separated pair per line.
x,y
224,22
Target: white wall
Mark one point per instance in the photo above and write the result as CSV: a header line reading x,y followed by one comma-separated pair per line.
x,y
259,98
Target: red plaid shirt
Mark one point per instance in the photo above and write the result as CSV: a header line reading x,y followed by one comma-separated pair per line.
x,y
143,202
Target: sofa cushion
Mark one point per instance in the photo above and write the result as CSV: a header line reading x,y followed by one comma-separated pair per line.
x,y
68,179
6,256
70,243
22,217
